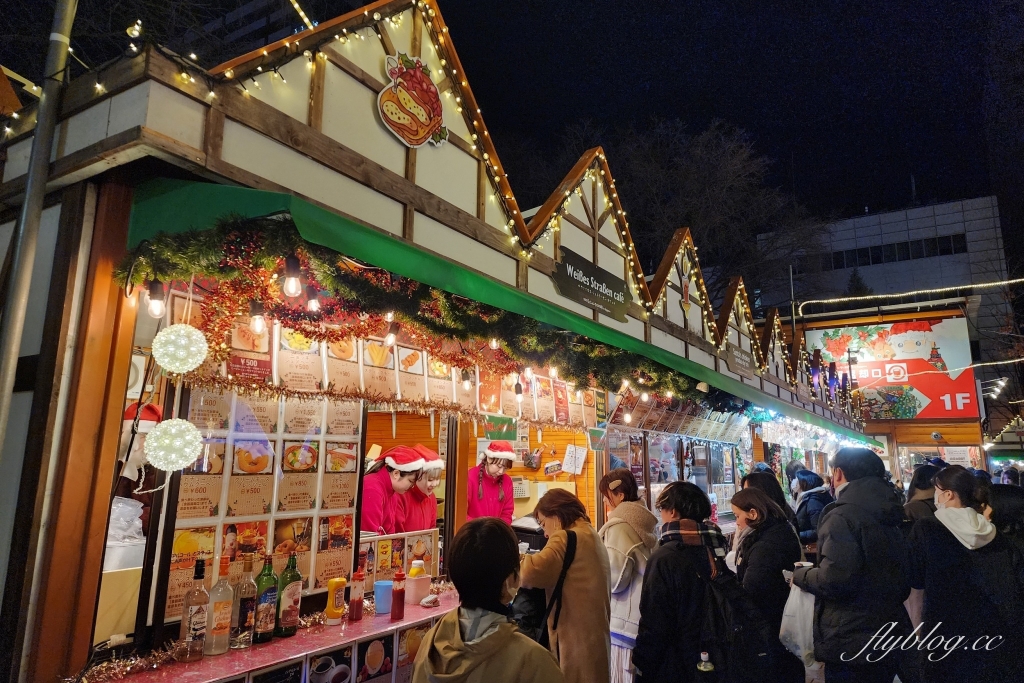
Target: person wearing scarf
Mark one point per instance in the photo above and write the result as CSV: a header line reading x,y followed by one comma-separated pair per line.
x,y
671,603
973,583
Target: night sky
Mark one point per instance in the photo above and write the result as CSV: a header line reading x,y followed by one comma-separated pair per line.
x,y
849,98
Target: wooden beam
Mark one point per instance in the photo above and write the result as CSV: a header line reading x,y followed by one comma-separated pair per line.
x,y
352,69
385,38
603,217
213,137
316,92
613,246
417,34
409,214
577,222
481,190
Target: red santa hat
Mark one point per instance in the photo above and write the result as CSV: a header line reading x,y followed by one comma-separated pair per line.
x,y
150,417
431,460
500,449
915,326
404,459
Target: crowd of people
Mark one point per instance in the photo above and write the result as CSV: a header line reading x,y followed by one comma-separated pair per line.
x,y
926,585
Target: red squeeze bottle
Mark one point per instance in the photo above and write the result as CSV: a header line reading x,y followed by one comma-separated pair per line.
x,y
355,596
398,596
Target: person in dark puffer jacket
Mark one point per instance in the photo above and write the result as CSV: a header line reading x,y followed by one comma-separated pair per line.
x,y
863,576
813,497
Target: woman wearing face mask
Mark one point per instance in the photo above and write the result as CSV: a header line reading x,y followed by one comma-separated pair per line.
x,y
629,538
477,643
921,494
490,490
417,509
972,582
392,474
578,627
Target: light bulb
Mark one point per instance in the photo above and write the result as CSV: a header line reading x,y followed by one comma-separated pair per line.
x,y
668,394
528,373
312,299
519,392
156,305
389,316
553,372
627,418
466,382
292,272
257,322
494,344
645,397
392,336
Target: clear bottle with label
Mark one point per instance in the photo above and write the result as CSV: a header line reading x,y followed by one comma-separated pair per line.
x,y
289,597
193,617
243,608
218,619
266,602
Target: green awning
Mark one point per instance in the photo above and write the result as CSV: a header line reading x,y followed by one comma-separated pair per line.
x,y
173,206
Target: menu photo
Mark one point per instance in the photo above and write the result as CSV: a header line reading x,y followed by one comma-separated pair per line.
x,y
341,480
209,410
334,666
365,563
239,539
561,399
421,547
439,380
390,555
298,362
334,548
249,357
375,659
590,407
379,367
190,545
256,415
490,392
251,485
293,535
509,404
576,405
409,640
296,490
199,492
545,399
411,378
343,365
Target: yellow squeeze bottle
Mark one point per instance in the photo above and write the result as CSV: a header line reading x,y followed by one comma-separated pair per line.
x,y
417,569
335,600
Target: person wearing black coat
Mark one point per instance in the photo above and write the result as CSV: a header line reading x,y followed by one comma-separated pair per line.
x,y
768,549
813,497
863,573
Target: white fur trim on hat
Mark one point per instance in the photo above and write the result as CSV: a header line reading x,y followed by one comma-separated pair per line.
x,y
500,449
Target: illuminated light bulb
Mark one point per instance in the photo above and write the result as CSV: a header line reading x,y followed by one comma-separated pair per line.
x,y
229,74
135,30
668,394
392,335
645,397
625,383
156,305
192,56
528,373
627,418
312,299
466,382
493,344
553,372
389,316
292,271
257,321
519,392
579,394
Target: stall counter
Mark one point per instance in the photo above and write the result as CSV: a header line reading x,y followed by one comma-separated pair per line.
x,y
237,663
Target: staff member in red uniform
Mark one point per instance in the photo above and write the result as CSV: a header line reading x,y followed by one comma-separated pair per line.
x,y
417,509
391,474
490,490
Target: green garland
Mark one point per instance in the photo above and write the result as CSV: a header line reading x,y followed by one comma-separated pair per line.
x,y
251,251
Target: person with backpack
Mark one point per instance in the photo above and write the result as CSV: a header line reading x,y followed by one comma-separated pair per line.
x,y
863,573
574,571
973,582
476,643
629,538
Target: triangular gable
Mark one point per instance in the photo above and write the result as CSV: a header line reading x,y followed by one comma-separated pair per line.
x,y
679,265
736,310
774,348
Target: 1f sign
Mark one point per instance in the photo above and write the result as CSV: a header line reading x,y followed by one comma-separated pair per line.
x,y
962,400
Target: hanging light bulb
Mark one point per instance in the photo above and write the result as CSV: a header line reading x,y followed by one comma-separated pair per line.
x,y
493,344
644,396
156,298
579,394
553,372
466,383
519,392
627,418
389,316
528,373
257,321
292,272
312,299
668,394
392,336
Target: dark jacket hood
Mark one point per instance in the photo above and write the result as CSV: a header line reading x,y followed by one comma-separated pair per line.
x,y
876,498
820,494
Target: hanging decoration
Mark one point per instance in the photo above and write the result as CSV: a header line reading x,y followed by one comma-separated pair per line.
x,y
173,444
180,348
410,105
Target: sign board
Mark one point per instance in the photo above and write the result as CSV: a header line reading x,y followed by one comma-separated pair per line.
x,y
959,455
803,392
905,370
574,460
739,361
578,279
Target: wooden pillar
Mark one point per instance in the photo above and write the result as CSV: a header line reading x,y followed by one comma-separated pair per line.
x,y
757,445
69,576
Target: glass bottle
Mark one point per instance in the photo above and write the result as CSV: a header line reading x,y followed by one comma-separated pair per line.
x,y
398,596
193,617
266,602
243,607
218,620
289,596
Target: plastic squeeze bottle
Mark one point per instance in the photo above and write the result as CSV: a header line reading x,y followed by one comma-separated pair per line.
x,y
355,596
335,601
398,596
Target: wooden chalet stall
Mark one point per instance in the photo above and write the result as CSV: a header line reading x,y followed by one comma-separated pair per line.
x,y
303,133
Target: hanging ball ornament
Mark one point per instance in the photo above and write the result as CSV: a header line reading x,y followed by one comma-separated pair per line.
x,y
173,444
180,348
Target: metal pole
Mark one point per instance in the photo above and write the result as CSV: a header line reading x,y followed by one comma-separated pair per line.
x,y
792,303
13,321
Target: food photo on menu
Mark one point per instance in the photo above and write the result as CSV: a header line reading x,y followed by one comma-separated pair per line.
x,y
375,659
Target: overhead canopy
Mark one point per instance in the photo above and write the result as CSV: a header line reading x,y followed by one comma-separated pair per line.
x,y
175,206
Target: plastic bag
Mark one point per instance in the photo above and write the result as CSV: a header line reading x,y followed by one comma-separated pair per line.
x,y
797,633
125,521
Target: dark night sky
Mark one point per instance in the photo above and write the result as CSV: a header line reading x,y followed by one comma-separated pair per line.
x,y
857,96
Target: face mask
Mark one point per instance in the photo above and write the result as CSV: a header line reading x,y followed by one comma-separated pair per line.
x,y
939,505
510,589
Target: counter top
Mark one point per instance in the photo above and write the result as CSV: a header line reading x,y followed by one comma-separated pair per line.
x,y
305,642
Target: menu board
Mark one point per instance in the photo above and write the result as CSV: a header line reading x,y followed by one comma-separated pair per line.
x,y
256,415
509,404
334,548
190,545
296,490
409,640
439,380
561,395
341,480
334,666
412,381
298,362
490,392
293,535
378,367
343,365
303,417
249,358
375,659
590,406
422,547
240,538
390,558
209,410
199,492
653,417
545,396
576,406
465,393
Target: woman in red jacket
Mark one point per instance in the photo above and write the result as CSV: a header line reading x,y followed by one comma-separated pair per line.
x,y
490,491
391,475
417,509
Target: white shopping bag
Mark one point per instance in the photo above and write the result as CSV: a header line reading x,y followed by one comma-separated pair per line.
x,y
797,633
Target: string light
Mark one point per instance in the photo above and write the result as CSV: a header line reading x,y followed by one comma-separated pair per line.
x,y
312,299
519,392
919,292
493,344
392,335
257,319
156,305
467,383
292,271
302,15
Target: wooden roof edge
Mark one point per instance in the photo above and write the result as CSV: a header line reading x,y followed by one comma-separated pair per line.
x,y
661,276
560,194
770,319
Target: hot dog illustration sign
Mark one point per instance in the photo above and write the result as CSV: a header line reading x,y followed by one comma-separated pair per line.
x,y
410,105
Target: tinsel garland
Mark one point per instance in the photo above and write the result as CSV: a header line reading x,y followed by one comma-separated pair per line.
x,y
246,257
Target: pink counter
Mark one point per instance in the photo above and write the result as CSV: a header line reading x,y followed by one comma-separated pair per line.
x,y
287,659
